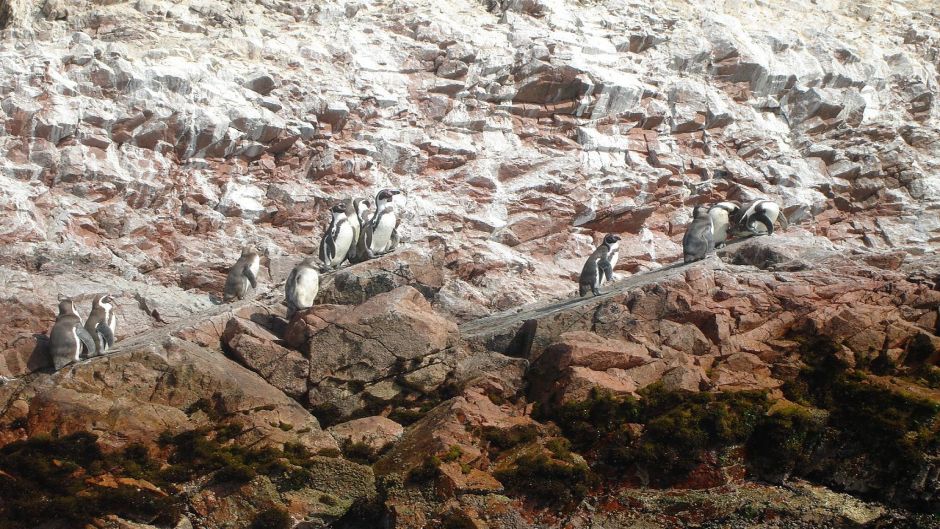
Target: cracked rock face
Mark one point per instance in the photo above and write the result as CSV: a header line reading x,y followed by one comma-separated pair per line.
x,y
391,345
146,142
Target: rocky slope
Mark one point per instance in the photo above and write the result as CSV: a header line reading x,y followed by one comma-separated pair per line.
x,y
457,382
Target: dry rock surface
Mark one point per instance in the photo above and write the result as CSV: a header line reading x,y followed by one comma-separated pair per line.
x,y
145,143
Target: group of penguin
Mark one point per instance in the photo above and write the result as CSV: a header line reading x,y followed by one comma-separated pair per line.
x,y
354,237
350,236
69,335
710,228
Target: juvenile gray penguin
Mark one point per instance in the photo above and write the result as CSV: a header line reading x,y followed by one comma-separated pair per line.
x,y
244,273
600,266
761,211
101,324
302,286
380,234
721,214
337,239
68,336
699,236
358,207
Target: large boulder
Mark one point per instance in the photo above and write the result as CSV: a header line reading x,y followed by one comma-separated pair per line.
x,y
390,346
582,362
135,396
357,283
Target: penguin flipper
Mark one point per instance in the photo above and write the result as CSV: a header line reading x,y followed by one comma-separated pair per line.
x,y
760,217
87,340
106,334
393,238
251,277
606,269
290,287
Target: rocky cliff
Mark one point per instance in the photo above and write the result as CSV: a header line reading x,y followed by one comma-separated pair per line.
x,y
457,382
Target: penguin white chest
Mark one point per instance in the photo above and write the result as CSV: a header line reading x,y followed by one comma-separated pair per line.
x,y
720,223
344,240
613,256
382,234
78,344
307,287
255,266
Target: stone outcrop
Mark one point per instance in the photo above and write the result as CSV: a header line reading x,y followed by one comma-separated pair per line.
x,y
390,346
137,160
136,396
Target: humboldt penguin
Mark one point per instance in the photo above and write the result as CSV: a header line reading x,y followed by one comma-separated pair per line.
x,y
599,266
761,211
101,323
68,336
721,215
356,219
337,239
380,234
699,236
244,273
302,286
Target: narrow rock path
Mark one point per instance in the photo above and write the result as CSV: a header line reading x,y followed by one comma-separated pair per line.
x,y
515,317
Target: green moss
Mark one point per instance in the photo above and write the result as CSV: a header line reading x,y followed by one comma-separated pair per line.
x,y
679,427
428,471
45,479
272,519
359,453
547,481
784,441
406,416
600,417
500,439
453,454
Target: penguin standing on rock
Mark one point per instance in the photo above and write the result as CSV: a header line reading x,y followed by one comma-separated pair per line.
x,y
355,213
101,324
761,211
600,266
380,234
721,215
68,336
244,273
302,286
337,239
699,237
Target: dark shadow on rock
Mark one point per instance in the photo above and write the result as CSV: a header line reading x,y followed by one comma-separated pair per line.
x,y
521,344
39,357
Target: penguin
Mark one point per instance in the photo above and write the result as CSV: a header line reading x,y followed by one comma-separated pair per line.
x,y
359,207
101,324
699,236
68,336
763,211
337,239
721,215
380,234
302,286
244,272
599,266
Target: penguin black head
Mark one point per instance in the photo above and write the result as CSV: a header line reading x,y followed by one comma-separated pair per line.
x,y
386,195
611,239
66,307
699,212
248,250
339,208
